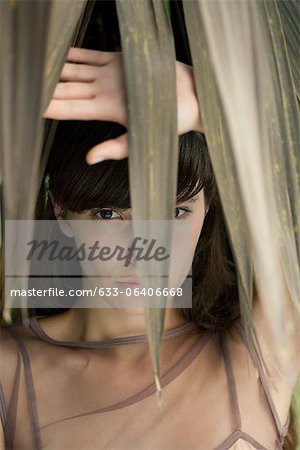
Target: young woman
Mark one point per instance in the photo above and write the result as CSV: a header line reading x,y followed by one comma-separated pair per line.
x,y
82,379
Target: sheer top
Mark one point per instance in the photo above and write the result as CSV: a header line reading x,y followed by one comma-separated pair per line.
x,y
58,395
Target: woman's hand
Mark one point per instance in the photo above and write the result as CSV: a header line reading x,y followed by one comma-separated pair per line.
x,y
92,87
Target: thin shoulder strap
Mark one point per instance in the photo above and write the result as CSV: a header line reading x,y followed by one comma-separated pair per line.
x,y
11,413
281,429
231,382
3,410
29,388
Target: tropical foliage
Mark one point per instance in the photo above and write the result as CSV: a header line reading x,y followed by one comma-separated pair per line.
x,y
244,56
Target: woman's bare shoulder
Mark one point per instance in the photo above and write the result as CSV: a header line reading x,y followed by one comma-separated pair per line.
x,y
10,338
9,334
282,360
8,346
282,372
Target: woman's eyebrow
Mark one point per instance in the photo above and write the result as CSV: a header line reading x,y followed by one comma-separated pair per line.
x,y
191,200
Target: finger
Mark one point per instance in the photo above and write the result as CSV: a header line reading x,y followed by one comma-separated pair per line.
x,y
69,90
112,149
78,72
104,108
72,110
92,57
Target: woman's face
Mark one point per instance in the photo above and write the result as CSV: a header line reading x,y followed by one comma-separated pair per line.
x,y
112,226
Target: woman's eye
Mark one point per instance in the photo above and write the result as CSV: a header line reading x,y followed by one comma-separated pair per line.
x,y
111,214
107,214
180,213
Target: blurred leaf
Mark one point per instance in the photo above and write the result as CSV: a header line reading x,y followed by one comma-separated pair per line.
x,y
62,22
51,125
250,114
149,61
289,13
34,40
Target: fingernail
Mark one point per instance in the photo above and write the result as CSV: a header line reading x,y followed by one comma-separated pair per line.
x,y
95,159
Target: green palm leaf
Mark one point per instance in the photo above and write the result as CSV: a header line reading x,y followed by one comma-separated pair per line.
x,y
35,37
248,101
149,59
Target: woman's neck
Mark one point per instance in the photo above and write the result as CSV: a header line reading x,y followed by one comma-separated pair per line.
x,y
90,324
99,324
